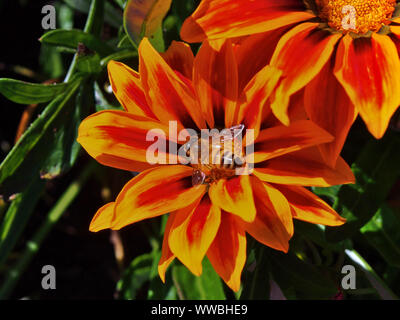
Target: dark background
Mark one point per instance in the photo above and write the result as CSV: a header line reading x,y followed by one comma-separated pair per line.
x,y
85,264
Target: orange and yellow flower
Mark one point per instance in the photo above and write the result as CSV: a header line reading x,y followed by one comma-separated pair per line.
x,y
339,69
211,216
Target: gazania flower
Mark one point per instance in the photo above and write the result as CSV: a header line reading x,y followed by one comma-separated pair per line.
x,y
211,207
344,51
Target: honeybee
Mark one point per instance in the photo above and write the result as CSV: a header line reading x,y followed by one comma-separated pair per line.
x,y
215,153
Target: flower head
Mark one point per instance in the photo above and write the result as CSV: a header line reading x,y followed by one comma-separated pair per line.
x,y
341,56
211,205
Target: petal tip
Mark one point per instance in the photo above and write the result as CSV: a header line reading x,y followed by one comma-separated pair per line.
x,y
191,31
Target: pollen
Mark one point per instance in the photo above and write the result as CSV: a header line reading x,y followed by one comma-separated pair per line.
x,y
358,16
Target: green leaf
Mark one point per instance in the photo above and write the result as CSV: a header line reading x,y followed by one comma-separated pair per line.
x,y
299,279
111,15
134,277
89,64
376,170
17,217
65,147
72,38
144,19
121,3
382,232
65,16
29,93
24,162
51,61
256,285
208,286
125,42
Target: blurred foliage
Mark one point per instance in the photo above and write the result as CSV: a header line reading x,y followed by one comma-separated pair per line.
x,y
73,60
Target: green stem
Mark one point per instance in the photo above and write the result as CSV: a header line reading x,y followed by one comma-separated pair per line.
x,y
32,246
383,290
94,22
120,55
93,25
314,251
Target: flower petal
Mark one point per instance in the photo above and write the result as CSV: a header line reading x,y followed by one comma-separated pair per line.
x,y
235,196
118,138
280,140
155,192
273,225
171,97
227,253
193,231
252,104
368,69
304,168
301,53
217,19
127,87
180,58
328,105
167,255
103,217
254,52
309,207
215,79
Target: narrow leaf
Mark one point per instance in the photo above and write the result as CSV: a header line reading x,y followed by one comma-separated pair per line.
x,y
29,93
382,233
112,15
17,217
206,287
24,162
72,38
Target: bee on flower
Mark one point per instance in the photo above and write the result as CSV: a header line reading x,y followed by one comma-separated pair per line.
x,y
339,57
211,208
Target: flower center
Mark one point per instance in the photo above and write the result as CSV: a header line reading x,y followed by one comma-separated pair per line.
x,y
359,16
216,155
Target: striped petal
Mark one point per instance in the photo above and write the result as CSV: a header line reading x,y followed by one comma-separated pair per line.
x,y
328,105
368,69
155,192
304,168
310,208
103,218
280,140
227,253
167,255
300,54
170,96
216,19
252,107
193,231
235,196
255,52
118,138
127,87
179,57
215,79
273,225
